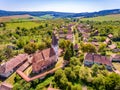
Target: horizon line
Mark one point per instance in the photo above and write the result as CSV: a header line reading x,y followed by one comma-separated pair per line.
x,y
55,11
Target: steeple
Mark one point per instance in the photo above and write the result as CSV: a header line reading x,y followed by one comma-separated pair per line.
x,y
55,42
54,39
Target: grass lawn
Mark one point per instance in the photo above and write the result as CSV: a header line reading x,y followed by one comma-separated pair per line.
x,y
117,66
60,62
27,25
115,17
11,78
28,70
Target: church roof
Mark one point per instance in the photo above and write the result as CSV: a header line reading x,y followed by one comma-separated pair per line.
x,y
43,55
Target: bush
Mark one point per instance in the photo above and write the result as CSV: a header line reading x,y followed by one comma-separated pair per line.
x,y
30,48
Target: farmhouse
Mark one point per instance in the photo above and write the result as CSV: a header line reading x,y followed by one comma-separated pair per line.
x,y
61,34
112,46
45,58
69,35
107,41
110,36
7,68
92,58
115,58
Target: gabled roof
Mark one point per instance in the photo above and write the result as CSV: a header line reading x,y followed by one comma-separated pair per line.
x,y
116,56
110,35
96,58
113,46
89,57
5,86
47,53
12,63
107,40
43,55
76,47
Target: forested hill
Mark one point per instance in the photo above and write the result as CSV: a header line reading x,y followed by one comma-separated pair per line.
x,y
60,14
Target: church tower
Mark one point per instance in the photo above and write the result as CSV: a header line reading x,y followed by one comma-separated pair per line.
x,y
55,43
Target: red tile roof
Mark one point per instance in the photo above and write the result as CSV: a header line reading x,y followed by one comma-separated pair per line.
x,y
43,58
110,35
116,56
89,57
5,86
76,47
113,46
96,58
12,63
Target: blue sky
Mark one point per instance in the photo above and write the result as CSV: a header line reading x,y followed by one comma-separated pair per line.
x,y
59,5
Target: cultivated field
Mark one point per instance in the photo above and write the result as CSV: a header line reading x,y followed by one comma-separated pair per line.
x,y
9,18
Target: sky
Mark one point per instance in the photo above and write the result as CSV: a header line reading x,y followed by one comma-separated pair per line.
x,y
76,6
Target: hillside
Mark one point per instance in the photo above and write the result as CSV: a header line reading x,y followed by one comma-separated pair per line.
x,y
8,18
60,14
114,17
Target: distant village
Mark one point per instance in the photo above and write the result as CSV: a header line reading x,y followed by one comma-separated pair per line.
x,y
46,59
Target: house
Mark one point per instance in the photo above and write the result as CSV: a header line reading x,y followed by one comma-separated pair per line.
x,y
115,58
113,46
85,37
116,50
95,33
92,58
107,41
94,40
7,68
5,86
69,35
61,34
45,58
32,41
88,59
95,44
76,47
110,36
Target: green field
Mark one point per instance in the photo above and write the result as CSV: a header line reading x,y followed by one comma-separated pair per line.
x,y
26,25
115,17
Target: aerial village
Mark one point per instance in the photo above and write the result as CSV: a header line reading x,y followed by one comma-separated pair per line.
x,y
43,62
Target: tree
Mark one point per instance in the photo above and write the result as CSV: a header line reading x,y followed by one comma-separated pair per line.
x,y
67,55
84,74
102,47
22,42
88,48
42,46
30,48
76,87
61,79
112,82
74,61
95,70
99,82
8,52
69,51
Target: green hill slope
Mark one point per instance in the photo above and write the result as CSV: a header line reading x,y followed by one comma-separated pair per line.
x,y
115,17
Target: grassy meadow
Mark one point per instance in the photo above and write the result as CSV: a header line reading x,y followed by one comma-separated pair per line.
x,y
115,17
